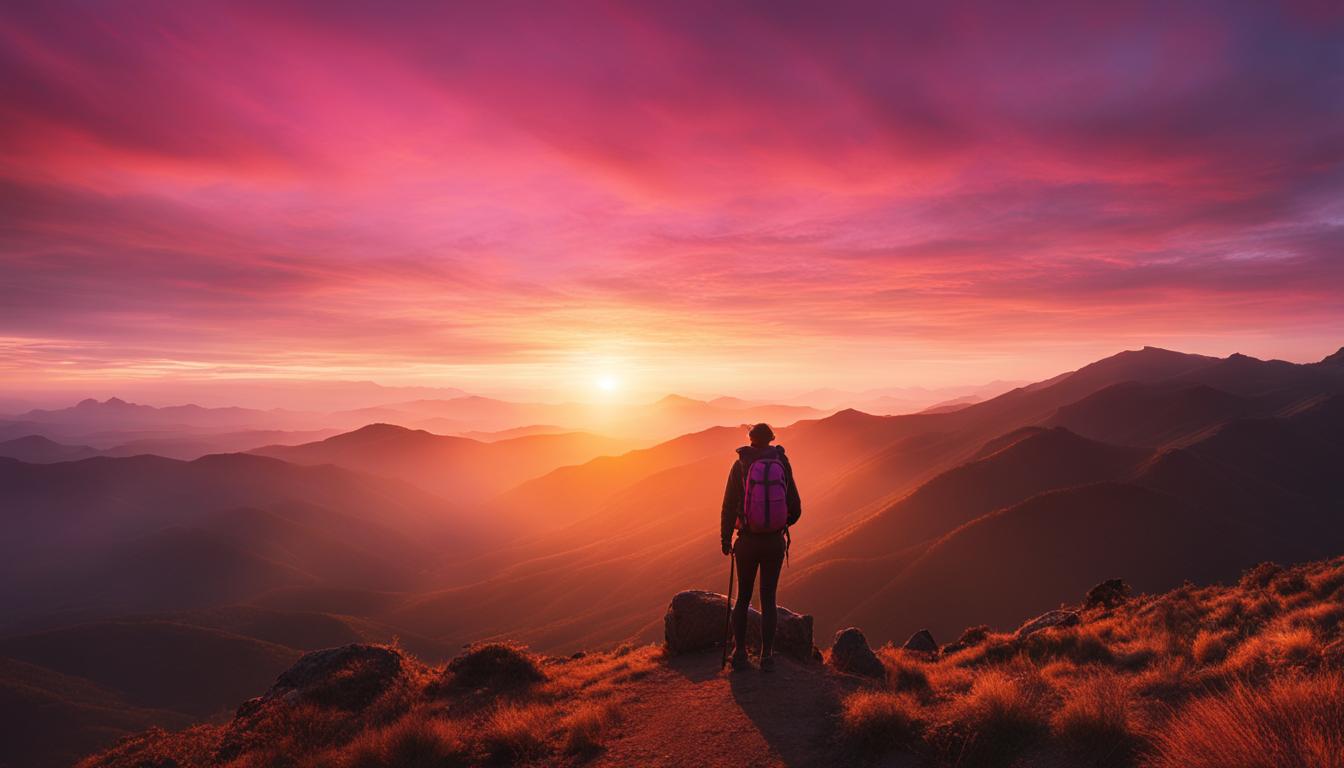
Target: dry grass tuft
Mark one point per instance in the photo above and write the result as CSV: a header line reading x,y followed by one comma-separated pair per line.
x,y
416,741
1077,644
872,722
516,733
1000,718
585,729
903,672
1211,647
1097,717
1295,722
1274,649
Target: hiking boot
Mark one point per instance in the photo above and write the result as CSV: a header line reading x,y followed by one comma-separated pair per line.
x,y
767,663
739,662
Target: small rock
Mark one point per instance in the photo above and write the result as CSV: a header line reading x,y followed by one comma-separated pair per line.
x,y
921,641
1107,594
1048,620
696,620
850,653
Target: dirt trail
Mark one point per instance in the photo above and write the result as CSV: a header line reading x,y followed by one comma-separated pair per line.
x,y
688,713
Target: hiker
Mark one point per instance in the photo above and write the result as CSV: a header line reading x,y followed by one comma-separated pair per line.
x,y
760,503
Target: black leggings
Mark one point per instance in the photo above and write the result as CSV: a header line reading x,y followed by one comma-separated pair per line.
x,y
764,551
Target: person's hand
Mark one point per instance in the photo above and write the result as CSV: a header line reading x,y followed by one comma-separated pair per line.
x,y
727,547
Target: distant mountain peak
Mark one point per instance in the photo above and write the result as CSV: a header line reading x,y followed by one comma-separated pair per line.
x,y
380,428
677,400
1337,359
90,403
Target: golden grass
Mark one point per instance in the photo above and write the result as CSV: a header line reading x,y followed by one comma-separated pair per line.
x,y
904,673
1096,716
1273,649
877,721
1210,647
517,732
1198,677
416,741
587,727
1291,722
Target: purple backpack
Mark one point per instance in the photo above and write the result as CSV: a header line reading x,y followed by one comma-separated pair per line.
x,y
765,487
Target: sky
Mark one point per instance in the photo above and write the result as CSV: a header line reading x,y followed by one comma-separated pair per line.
x,y
741,198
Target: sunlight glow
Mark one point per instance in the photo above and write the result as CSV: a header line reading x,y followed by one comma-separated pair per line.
x,y
607,384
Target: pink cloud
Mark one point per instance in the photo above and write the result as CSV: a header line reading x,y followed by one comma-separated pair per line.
x,y
497,191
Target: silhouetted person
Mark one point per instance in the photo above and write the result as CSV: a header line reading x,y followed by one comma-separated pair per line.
x,y
760,503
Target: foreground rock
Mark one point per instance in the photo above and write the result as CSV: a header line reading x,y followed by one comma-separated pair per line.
x,y
922,641
851,653
1049,620
696,620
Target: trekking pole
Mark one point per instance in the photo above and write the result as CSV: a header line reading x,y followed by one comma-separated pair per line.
x,y
728,630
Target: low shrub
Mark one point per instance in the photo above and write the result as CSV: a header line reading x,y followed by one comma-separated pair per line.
x,y
1096,717
416,741
498,666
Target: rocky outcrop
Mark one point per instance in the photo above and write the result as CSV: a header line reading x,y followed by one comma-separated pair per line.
x,y
921,641
696,621
850,653
1048,620
351,678
348,677
1108,594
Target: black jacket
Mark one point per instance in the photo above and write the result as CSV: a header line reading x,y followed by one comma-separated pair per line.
x,y
733,494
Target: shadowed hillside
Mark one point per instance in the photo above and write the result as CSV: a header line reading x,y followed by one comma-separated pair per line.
x,y
88,538
457,468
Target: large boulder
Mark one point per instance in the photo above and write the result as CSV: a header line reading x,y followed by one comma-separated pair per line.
x,y
922,641
696,621
1048,620
850,653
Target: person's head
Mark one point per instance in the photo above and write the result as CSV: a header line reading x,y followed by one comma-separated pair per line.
x,y
761,434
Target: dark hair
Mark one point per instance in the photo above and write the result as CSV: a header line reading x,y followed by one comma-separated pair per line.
x,y
761,433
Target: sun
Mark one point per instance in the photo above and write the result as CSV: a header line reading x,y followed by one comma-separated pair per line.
x,y
607,384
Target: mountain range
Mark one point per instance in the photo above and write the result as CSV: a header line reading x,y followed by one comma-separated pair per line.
x,y
1150,465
